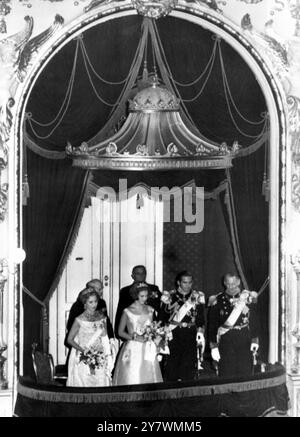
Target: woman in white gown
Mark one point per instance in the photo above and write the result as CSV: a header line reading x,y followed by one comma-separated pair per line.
x,y
89,335
137,362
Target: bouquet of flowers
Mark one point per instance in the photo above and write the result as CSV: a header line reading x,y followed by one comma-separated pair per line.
x,y
245,296
160,335
166,297
197,297
94,358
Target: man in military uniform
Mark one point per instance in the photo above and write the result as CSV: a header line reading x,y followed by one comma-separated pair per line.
x,y
138,275
232,328
183,310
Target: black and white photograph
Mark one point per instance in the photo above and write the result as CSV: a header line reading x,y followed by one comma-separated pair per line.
x,y
149,212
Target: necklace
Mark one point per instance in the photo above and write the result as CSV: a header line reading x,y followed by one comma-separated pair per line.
x,y
91,317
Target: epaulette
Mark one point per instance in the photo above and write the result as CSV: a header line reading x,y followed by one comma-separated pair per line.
x,y
201,296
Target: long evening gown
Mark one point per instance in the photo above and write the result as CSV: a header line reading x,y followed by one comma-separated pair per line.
x,y
90,334
137,362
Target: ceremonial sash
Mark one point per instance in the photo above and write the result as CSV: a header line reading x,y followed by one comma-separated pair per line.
x,y
94,337
234,315
182,311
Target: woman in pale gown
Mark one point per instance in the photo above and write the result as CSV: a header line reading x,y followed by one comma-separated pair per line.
x,y
137,362
89,333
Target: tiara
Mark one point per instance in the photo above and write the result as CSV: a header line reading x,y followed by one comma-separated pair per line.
x,y
141,285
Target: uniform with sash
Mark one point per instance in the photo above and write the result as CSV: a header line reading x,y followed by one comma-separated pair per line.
x,y
185,314
232,327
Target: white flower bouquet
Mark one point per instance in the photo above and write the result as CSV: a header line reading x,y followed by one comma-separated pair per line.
x,y
160,335
94,358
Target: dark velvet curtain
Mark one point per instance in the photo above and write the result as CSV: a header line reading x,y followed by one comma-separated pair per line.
x,y
56,190
252,212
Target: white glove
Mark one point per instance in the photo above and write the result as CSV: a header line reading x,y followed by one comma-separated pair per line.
x,y
215,354
200,338
254,347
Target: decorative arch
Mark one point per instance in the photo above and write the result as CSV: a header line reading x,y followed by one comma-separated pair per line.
x,y
275,98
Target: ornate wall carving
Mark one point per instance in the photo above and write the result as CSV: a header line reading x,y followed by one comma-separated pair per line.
x,y
284,59
17,52
294,124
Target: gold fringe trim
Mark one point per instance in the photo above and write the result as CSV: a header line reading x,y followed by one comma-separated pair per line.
x,y
150,395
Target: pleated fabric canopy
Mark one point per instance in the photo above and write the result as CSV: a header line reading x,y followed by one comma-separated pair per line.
x,y
153,137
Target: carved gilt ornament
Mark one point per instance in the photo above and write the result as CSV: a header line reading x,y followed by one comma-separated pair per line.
x,y
155,8
294,129
16,55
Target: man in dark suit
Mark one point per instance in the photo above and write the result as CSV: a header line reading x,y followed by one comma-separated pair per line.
x,y
138,275
77,308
